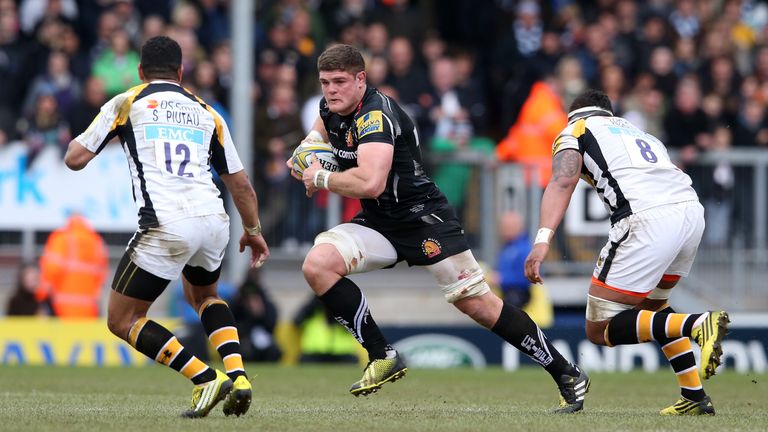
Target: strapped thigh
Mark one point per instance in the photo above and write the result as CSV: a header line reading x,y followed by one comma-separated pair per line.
x,y
363,249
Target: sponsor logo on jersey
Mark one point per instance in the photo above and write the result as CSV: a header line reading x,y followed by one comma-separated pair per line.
x,y
369,123
431,247
174,133
151,103
344,154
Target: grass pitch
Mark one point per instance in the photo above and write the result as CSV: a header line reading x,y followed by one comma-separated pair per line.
x,y
316,399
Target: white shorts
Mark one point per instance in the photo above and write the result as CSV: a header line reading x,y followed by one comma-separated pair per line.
x,y
647,246
196,241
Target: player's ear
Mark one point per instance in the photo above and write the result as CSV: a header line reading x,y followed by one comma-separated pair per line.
x,y
141,72
180,71
361,77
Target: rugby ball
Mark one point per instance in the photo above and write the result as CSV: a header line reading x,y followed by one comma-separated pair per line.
x,y
308,150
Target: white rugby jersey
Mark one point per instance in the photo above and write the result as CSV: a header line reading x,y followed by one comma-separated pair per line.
x,y
629,168
171,139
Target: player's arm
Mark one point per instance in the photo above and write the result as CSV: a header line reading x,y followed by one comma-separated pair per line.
x,y
247,204
566,170
84,147
318,128
367,180
77,156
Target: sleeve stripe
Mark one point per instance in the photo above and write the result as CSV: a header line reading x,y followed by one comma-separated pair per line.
x,y
391,127
125,108
216,120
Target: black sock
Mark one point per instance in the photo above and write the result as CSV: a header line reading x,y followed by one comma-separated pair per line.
x,y
350,308
681,363
634,326
517,328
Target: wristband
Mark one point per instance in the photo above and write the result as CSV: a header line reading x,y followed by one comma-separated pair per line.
x,y
314,136
253,231
543,235
321,179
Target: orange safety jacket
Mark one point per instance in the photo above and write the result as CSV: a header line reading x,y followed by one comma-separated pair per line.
x,y
72,270
530,139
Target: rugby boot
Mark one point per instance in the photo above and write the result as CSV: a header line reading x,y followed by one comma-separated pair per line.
x,y
709,336
573,389
239,399
687,407
377,373
205,396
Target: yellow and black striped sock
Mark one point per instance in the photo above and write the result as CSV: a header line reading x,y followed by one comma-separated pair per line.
x,y
159,344
636,326
679,352
219,324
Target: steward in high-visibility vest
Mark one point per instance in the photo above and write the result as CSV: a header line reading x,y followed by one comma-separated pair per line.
x,y
322,338
72,270
530,139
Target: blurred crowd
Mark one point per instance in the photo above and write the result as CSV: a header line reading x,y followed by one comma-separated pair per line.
x,y
693,73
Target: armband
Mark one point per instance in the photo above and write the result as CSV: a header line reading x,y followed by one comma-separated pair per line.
x,y
543,235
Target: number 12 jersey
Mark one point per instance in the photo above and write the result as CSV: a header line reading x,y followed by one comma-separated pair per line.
x,y
171,139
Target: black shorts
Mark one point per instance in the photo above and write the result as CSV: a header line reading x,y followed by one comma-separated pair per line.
x,y
425,241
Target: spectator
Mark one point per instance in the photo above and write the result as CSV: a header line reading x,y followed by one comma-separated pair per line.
x,y
256,317
718,196
23,301
32,12
73,268
407,78
45,127
510,262
528,28
86,109
152,26
57,81
129,18
116,66
645,109
685,20
79,62
376,40
453,132
685,126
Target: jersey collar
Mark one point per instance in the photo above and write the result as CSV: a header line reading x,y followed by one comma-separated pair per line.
x,y
587,112
160,81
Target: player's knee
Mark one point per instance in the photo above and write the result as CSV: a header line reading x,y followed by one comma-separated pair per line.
x,y
595,333
479,309
119,326
469,283
311,268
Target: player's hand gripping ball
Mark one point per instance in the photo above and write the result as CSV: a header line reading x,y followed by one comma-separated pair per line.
x,y
303,155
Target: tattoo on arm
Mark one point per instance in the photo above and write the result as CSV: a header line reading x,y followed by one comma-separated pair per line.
x,y
566,164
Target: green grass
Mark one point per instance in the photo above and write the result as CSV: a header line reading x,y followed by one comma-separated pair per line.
x,y
316,399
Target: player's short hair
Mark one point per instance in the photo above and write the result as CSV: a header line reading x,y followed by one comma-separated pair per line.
x,y
160,57
341,58
591,98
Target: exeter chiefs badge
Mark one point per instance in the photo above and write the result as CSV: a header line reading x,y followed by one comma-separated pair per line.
x,y
431,247
350,142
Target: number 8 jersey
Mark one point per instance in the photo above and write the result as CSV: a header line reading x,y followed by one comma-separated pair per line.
x,y
629,168
171,138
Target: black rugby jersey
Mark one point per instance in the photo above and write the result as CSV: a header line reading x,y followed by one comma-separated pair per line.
x,y
409,195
